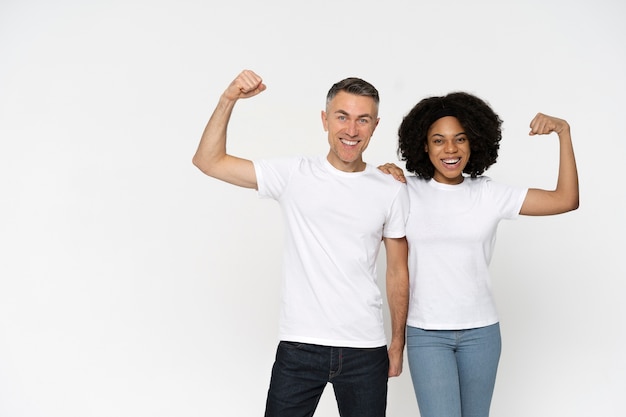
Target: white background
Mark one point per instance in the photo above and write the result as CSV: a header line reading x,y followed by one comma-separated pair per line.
x,y
133,285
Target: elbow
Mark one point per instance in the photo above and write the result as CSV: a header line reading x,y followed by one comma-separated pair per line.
x,y
202,164
572,205
575,200
196,162
569,201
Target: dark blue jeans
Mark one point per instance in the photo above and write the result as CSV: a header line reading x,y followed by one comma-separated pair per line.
x,y
301,372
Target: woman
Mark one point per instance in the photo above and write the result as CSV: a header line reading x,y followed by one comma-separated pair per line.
x,y
453,335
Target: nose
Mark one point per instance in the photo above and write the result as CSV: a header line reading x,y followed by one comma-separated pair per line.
x,y
352,129
450,146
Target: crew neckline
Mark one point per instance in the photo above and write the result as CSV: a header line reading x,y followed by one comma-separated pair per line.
x,y
336,171
443,186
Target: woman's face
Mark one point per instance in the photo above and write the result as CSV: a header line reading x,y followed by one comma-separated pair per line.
x,y
448,149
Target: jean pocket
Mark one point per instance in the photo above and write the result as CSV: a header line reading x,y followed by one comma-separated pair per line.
x,y
291,345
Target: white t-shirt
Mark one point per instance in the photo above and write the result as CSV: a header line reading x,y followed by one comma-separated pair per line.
x,y
335,222
451,233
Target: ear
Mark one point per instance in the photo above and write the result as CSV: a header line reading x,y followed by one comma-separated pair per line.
x,y
324,121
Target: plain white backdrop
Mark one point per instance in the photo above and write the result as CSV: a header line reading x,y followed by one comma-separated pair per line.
x,y
131,285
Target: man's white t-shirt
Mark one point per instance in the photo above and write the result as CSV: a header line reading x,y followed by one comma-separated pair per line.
x,y
451,233
335,222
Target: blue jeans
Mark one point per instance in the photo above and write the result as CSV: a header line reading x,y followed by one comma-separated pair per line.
x,y
454,372
301,372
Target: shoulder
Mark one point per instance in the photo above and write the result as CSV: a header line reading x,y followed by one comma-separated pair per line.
x,y
373,171
414,179
486,182
286,162
481,181
415,182
376,176
495,189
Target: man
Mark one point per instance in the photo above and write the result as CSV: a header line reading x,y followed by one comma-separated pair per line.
x,y
337,210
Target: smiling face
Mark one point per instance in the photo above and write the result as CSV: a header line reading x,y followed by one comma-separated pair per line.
x,y
350,121
448,149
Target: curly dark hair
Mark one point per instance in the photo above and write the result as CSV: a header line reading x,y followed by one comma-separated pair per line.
x,y
482,127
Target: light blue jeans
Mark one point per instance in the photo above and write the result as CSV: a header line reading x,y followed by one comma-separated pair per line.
x,y
454,371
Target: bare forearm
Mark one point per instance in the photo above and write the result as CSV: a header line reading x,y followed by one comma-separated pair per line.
x,y
397,280
564,197
397,285
567,183
398,300
212,147
211,157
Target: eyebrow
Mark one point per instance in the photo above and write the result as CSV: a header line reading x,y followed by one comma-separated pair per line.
x,y
456,135
345,113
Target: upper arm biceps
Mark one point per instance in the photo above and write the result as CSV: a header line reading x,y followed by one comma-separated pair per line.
x,y
542,203
234,170
397,251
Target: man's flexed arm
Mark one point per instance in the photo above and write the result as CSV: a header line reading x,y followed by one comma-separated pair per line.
x,y
211,157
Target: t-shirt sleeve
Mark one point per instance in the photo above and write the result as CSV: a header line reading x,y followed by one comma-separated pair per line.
x,y
508,199
272,176
395,226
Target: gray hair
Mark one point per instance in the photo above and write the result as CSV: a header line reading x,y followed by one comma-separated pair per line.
x,y
353,85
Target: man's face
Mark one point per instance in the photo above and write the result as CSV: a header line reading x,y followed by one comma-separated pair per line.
x,y
350,121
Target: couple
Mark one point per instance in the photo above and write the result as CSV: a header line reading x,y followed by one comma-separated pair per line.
x,y
438,230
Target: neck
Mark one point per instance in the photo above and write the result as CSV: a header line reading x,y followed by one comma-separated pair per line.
x,y
353,166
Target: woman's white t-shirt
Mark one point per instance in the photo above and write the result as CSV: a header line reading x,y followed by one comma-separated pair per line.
x,y
451,233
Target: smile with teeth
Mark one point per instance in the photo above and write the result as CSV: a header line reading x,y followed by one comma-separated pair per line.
x,y
349,142
451,161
